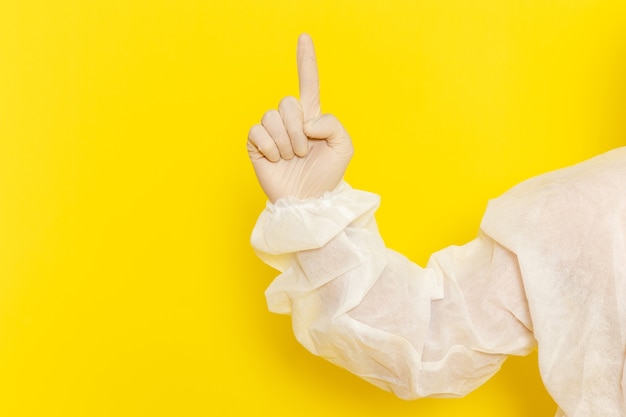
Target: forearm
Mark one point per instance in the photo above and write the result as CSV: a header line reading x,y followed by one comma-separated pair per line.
x,y
352,301
367,308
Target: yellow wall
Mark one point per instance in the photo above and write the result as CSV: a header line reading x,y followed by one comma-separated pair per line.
x,y
127,284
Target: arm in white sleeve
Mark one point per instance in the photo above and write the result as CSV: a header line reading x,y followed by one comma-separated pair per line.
x,y
437,331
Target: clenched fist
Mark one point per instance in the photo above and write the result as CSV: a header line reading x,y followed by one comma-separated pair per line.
x,y
296,151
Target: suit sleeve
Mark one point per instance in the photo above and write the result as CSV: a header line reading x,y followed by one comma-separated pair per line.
x,y
439,330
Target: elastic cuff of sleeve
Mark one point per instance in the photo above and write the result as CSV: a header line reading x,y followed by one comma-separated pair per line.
x,y
290,225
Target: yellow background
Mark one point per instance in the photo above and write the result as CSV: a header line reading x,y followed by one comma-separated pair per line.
x,y
127,283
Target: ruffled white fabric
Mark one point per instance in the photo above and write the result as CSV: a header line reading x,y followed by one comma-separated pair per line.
x,y
547,269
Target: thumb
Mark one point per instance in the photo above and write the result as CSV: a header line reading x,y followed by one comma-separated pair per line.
x,y
327,127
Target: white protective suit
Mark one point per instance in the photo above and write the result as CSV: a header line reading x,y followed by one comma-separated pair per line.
x,y
548,270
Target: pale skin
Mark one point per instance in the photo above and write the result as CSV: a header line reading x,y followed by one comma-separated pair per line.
x,y
297,151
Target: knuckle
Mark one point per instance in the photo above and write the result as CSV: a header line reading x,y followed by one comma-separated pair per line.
x,y
255,131
288,103
331,118
269,115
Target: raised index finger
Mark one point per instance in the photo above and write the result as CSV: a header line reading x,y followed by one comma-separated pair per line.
x,y
308,78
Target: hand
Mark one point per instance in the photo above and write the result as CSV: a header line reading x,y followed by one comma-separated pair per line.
x,y
295,150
